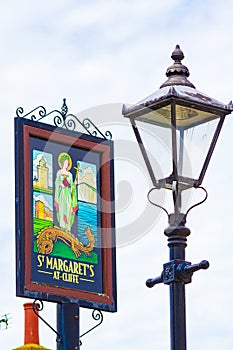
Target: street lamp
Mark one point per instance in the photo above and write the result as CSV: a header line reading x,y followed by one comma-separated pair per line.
x,y
180,109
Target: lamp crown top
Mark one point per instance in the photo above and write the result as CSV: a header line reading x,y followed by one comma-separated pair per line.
x,y
177,73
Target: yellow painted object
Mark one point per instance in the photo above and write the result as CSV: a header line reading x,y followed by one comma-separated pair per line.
x,y
31,347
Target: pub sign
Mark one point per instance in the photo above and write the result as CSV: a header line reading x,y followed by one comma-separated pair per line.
x,y
65,227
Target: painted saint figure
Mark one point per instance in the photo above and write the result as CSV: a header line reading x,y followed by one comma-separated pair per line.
x,y
65,202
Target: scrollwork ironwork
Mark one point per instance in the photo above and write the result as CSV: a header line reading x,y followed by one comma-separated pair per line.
x,y
192,207
36,114
58,120
19,112
108,135
37,306
97,316
63,120
155,204
71,122
94,131
5,321
200,202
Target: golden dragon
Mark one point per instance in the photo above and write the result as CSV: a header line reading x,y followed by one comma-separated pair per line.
x,y
48,235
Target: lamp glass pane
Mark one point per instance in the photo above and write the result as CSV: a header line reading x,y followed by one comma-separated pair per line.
x,y
195,131
192,148
186,117
157,141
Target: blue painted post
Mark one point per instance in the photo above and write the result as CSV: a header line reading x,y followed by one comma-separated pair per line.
x,y
68,326
177,241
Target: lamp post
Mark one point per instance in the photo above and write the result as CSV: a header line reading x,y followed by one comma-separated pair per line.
x,y
180,109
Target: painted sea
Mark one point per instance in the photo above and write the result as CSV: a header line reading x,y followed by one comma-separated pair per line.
x,y
87,216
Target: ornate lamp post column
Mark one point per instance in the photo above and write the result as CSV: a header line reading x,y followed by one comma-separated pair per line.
x,y
183,111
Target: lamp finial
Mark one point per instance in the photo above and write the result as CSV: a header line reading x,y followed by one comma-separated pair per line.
x,y
177,54
177,73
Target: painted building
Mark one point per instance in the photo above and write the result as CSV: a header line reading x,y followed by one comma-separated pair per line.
x,y
42,173
42,212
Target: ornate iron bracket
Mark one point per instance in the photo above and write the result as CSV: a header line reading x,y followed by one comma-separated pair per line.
x,y
37,306
177,271
5,321
165,210
64,120
97,316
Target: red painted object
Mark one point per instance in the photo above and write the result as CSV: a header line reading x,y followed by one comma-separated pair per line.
x,y
31,326
31,330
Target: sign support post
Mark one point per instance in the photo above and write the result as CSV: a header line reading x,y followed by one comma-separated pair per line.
x,y
68,326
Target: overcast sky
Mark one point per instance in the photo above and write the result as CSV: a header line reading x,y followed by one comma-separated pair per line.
x,y
99,55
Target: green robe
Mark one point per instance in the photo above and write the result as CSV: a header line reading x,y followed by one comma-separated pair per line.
x,y
65,201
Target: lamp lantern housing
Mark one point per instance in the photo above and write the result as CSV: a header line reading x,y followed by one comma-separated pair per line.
x,y
180,107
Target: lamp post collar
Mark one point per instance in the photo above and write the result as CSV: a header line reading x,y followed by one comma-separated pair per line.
x,y
177,73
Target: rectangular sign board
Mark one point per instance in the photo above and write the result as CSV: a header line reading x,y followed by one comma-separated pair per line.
x,y
65,226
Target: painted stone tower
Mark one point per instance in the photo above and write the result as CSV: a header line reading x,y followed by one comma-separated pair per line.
x,y
42,172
